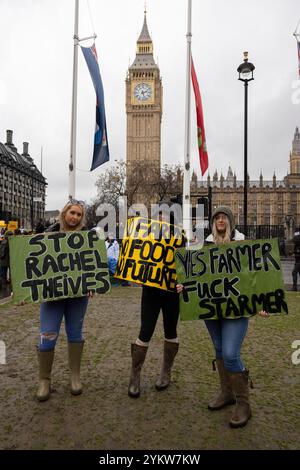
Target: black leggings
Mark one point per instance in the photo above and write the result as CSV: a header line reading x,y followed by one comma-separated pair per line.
x,y
153,300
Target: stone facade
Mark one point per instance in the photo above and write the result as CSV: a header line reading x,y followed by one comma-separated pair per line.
x,y
22,186
269,202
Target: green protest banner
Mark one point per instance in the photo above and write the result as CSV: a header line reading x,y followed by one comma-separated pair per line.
x,y
147,253
57,265
230,281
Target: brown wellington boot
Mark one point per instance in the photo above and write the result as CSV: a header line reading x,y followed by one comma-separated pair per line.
x,y
170,351
138,354
226,396
45,360
242,411
75,354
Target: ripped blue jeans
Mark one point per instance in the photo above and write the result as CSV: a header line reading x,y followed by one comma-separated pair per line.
x,y
51,315
227,337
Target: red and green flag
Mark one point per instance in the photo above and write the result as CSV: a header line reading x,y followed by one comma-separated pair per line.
x,y
200,123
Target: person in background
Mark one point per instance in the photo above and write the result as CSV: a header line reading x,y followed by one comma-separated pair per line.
x,y
282,249
4,257
72,217
296,269
112,249
40,228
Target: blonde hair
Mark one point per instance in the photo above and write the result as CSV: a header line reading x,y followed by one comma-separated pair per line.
x,y
62,221
221,237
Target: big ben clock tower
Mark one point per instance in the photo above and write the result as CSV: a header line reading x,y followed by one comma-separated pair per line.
x,y
144,106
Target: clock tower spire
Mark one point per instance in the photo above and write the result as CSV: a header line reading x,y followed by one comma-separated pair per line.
x,y
144,42
144,107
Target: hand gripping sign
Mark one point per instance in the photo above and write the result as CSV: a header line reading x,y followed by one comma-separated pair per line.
x,y
147,253
58,265
231,281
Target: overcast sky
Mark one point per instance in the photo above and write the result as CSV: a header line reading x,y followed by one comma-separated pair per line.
x,y
36,55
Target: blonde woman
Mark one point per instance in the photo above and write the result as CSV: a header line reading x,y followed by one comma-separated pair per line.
x,y
228,335
72,217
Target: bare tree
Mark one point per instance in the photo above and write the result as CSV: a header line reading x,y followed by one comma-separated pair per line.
x,y
90,217
140,182
111,185
170,181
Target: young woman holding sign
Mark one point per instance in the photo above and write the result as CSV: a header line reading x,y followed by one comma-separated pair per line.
x,y
154,300
72,217
228,335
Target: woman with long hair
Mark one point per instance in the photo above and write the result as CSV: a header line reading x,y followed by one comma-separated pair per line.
x,y
72,218
228,335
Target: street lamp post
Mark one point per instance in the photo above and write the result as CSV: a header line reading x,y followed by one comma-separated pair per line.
x,y
245,71
239,210
32,168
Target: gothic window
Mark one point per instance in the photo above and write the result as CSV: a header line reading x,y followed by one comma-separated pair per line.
x,y
294,208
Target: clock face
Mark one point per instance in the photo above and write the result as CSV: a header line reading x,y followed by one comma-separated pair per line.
x,y
143,91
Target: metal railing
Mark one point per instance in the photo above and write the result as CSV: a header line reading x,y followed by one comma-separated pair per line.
x,y
263,231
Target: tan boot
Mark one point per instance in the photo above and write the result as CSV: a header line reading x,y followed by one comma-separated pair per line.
x,y
138,354
242,411
226,395
45,360
170,351
75,354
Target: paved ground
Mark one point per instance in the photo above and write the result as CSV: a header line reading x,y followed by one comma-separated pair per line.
x,y
287,266
104,417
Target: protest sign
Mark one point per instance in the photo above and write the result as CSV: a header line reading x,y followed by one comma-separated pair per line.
x,y
58,265
147,253
230,281
12,225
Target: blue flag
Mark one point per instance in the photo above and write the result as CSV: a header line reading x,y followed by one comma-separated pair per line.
x,y
101,152
298,43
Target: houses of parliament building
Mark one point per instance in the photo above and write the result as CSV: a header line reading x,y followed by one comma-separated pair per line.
x,y
274,202
270,202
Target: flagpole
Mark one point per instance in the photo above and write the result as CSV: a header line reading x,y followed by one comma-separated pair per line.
x,y
72,164
297,37
186,170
